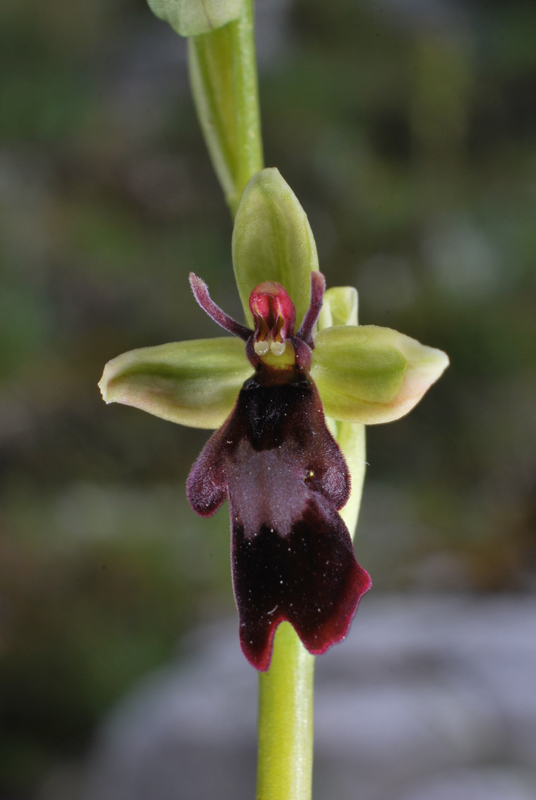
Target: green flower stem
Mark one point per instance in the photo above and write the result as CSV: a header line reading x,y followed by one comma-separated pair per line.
x,y
223,75
284,770
224,83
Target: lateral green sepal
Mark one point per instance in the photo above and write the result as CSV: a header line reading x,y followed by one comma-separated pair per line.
x,y
370,374
192,383
192,17
273,241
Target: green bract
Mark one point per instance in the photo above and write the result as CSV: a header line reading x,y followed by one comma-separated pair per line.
x,y
192,17
365,374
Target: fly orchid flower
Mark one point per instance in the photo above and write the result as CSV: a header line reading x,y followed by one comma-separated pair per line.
x,y
266,391
285,477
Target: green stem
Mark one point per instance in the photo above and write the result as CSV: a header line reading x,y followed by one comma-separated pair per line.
x,y
285,761
223,75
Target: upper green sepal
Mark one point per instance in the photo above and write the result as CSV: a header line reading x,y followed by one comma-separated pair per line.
x,y
194,383
273,241
192,17
370,374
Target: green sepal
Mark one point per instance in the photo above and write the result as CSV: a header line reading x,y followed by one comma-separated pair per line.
x,y
369,374
192,17
273,241
339,307
194,383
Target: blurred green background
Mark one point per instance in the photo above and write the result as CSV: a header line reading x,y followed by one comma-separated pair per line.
x,y
407,130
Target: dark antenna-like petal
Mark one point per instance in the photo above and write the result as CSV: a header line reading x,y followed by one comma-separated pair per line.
x,y
318,287
201,294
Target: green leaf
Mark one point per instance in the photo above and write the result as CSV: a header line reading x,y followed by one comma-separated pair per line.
x,y
193,383
273,241
192,17
370,374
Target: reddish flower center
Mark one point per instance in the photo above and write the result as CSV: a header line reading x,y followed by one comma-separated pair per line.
x,y
274,315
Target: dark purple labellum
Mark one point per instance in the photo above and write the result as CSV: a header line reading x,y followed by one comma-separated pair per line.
x,y
285,478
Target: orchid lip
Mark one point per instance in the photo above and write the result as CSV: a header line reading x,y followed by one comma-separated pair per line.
x,y
285,478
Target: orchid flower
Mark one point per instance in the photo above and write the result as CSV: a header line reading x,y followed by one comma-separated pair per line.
x,y
267,390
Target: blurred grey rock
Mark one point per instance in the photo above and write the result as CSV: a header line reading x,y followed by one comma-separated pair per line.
x,y
429,698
